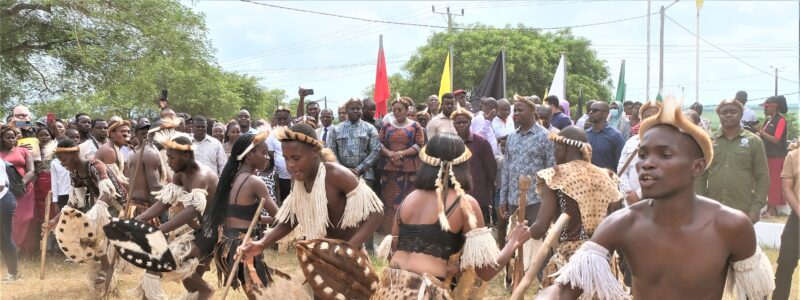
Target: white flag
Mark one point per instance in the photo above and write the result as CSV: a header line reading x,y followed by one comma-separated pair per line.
x,y
558,87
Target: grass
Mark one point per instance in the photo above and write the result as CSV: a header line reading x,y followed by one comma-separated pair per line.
x,y
67,281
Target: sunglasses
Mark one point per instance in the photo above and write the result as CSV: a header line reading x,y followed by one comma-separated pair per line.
x,y
594,110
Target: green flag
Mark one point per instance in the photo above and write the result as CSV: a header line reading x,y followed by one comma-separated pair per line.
x,y
621,84
659,98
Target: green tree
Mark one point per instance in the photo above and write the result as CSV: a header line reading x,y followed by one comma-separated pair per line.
x,y
531,60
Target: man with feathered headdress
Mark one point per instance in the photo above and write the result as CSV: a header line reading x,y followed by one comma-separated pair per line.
x,y
679,245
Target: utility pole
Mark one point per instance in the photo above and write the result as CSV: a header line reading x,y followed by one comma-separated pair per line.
x,y
776,78
325,100
647,84
661,55
450,17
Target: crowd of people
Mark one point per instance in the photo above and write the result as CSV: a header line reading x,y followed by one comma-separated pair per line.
x,y
657,199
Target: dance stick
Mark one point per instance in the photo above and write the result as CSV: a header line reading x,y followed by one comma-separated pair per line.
x,y
541,255
45,232
124,214
246,239
519,261
627,162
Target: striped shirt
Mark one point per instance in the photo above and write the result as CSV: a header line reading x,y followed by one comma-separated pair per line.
x,y
356,146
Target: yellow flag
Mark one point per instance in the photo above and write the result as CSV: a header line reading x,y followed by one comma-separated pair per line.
x,y
699,4
445,85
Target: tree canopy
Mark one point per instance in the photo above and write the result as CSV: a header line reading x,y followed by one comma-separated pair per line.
x,y
113,58
531,60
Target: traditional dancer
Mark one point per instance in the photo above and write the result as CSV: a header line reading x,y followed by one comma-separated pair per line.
x,y
96,195
436,221
237,198
151,175
119,133
326,201
678,245
186,198
577,188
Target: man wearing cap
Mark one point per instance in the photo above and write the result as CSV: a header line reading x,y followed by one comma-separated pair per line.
x,y
738,176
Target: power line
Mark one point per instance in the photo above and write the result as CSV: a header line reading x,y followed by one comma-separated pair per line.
x,y
438,26
725,51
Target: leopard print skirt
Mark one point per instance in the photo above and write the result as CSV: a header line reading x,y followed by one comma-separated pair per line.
x,y
404,285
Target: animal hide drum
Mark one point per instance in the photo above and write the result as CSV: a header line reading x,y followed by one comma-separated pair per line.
x,y
140,244
336,270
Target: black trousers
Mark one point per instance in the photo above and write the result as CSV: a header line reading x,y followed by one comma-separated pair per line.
x,y
8,204
787,258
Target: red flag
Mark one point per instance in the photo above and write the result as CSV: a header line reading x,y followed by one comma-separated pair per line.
x,y
381,93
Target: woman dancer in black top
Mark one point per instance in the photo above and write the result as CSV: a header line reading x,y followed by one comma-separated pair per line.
x,y
238,196
436,221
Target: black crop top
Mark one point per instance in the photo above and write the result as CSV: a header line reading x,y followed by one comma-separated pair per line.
x,y
429,239
242,212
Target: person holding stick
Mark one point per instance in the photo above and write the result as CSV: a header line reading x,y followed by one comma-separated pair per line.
x,y
575,187
119,133
679,245
326,201
436,221
186,198
237,199
96,196
151,175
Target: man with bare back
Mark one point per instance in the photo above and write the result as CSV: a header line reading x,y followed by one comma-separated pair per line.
x,y
678,245
186,198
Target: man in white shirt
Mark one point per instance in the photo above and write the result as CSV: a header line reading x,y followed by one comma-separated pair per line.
x,y
282,118
629,177
503,124
482,123
748,115
208,150
60,183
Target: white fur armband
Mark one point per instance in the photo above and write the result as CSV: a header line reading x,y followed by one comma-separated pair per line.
x,y
751,278
480,249
77,197
169,194
196,198
361,202
99,214
385,247
106,187
589,270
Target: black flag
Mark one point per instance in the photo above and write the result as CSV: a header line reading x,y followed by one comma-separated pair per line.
x,y
493,83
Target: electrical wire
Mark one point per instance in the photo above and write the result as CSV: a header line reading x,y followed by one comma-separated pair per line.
x,y
725,51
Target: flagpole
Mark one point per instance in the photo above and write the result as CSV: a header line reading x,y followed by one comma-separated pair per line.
x,y
503,61
647,84
697,55
661,55
451,67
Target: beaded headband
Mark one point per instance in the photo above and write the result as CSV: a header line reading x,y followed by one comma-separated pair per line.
x,y
446,176
258,139
436,162
585,148
175,146
285,134
525,100
461,112
116,125
66,149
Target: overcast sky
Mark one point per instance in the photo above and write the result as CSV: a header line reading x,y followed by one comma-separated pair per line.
x,y
336,56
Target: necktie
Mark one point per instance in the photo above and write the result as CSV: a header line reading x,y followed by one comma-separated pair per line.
x,y
325,134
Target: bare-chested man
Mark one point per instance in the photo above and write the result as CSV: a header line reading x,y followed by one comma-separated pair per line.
x,y
118,135
150,176
678,245
192,185
326,201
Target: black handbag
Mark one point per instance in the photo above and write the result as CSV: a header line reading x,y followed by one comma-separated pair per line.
x,y
15,183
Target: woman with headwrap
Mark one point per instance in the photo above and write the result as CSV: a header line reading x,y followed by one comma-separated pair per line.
x,y
618,120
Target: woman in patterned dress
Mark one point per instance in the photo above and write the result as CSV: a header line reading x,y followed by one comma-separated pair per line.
x,y
400,140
